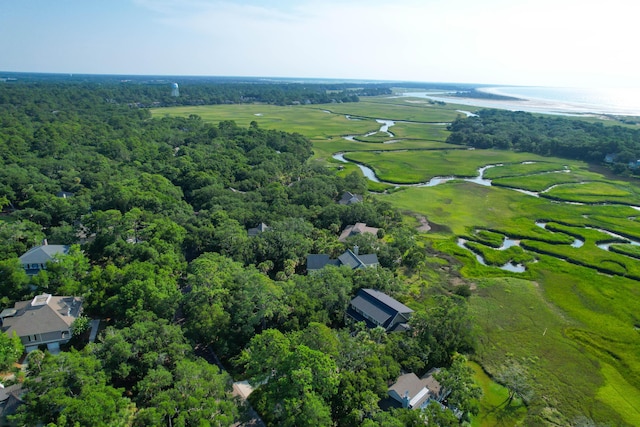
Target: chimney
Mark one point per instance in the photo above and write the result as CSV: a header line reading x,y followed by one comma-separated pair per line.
x,y
356,249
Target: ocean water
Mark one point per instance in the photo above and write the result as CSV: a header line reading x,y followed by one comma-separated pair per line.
x,y
552,100
617,101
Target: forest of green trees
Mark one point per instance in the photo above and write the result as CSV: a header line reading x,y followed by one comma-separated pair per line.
x,y
142,91
572,139
157,216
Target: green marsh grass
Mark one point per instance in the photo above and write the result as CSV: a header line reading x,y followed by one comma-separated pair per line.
x,y
427,132
493,409
620,395
619,224
607,308
603,303
537,182
629,250
520,169
392,111
575,173
597,192
326,130
519,325
576,330
312,123
498,258
326,148
464,206
416,167
590,256
488,238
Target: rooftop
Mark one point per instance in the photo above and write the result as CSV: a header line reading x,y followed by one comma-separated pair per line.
x,y
349,257
378,309
43,253
45,313
349,198
413,392
355,229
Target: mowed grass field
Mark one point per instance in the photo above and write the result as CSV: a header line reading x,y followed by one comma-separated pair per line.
x,y
575,329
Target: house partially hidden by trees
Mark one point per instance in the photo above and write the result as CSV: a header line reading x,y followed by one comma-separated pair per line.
x,y
412,392
376,308
351,258
355,229
64,194
349,198
10,399
44,320
36,258
261,228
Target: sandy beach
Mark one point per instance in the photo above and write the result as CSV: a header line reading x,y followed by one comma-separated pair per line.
x,y
560,101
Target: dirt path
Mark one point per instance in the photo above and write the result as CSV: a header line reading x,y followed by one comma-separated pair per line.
x,y
424,224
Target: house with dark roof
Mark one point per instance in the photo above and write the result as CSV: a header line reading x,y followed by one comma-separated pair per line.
x,y
349,198
412,392
10,399
261,228
355,229
36,258
351,258
376,308
44,320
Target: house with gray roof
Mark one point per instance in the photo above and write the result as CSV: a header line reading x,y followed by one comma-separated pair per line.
x,y
261,228
412,392
351,258
44,320
349,198
376,308
36,258
317,262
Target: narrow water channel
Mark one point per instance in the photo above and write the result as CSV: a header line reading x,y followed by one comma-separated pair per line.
x,y
481,180
510,266
368,172
437,180
604,245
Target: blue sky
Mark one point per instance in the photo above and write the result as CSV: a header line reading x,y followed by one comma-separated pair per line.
x,y
544,42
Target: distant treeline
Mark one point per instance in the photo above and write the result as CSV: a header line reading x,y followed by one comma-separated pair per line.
x,y
478,94
550,136
153,92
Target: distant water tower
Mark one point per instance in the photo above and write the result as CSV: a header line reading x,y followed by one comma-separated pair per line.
x,y
174,89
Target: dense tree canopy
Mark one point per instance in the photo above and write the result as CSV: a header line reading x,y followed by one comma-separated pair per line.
x,y
547,136
156,212
11,349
